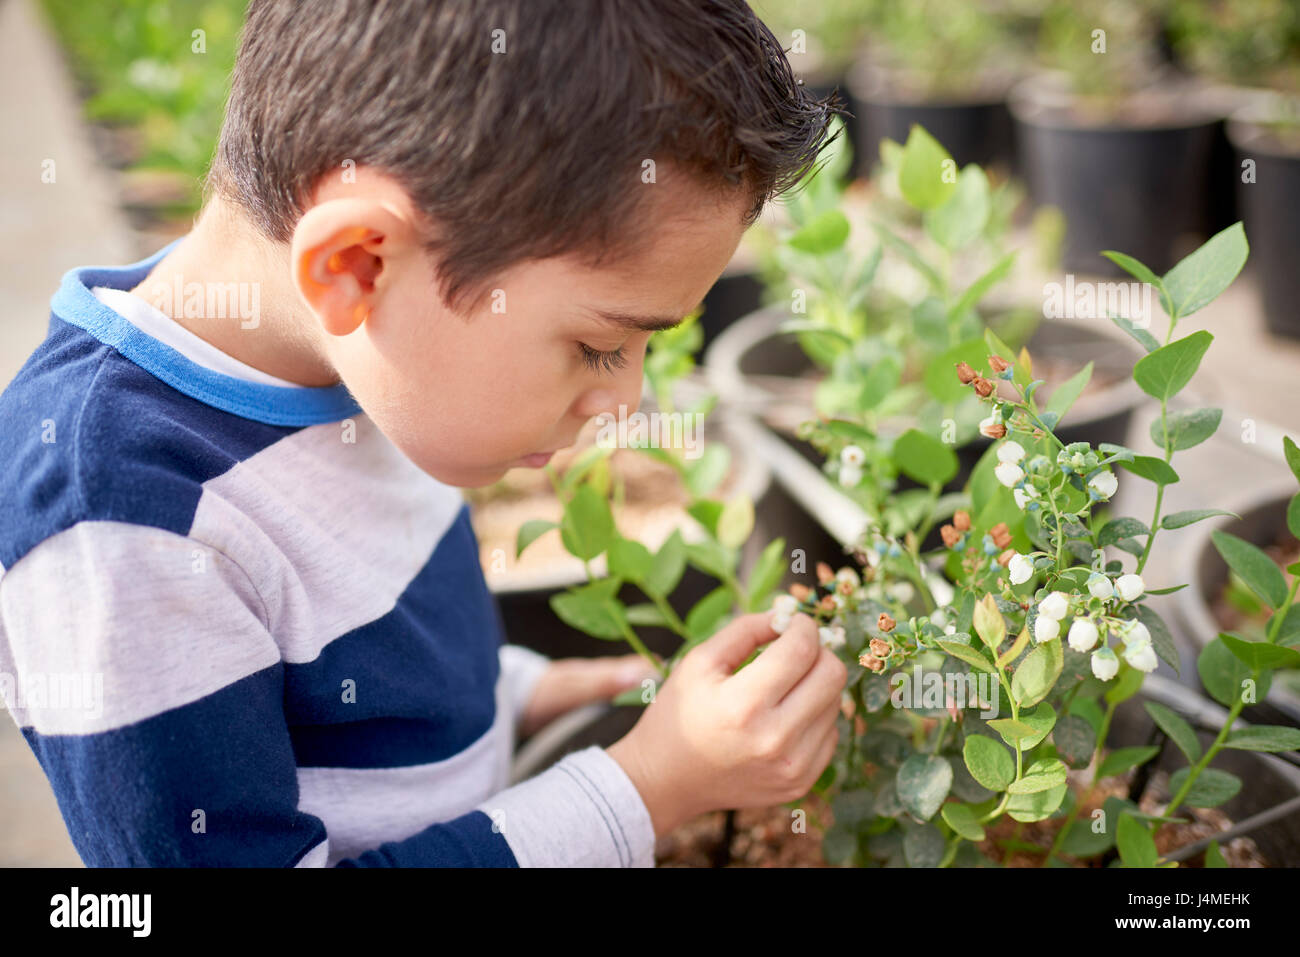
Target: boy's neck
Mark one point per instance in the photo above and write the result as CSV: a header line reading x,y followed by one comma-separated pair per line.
x,y
282,339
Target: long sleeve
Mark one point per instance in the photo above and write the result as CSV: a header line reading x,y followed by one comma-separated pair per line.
x,y
153,695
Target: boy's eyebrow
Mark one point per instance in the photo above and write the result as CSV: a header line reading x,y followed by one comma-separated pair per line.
x,y
642,323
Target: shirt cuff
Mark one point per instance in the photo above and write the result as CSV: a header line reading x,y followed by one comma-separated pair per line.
x,y
520,669
584,811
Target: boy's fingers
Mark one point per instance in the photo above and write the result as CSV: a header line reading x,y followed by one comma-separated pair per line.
x,y
727,650
783,664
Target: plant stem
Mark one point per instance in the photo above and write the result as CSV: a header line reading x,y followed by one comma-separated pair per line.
x,y
1074,811
638,645
1210,752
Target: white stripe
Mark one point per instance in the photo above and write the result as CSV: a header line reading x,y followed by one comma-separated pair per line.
x,y
128,621
365,807
331,531
317,856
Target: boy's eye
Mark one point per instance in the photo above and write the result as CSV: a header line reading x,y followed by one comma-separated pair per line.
x,y
603,361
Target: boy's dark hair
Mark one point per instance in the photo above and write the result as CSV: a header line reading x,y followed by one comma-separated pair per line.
x,y
533,152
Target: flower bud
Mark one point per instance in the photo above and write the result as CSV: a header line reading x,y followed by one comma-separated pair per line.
x,y
1099,586
965,373
1045,629
871,662
1083,635
881,648
827,603
950,536
1130,587
885,623
1141,656
1005,558
850,476
999,364
983,387
1104,664
961,520
831,637
1103,485
1054,606
1011,451
1021,569
1009,474
992,428
1000,534
800,592
824,573
853,455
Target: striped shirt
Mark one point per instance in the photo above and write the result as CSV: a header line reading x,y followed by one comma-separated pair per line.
x,y
239,628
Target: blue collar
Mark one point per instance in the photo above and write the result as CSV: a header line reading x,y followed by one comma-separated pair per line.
x,y
273,404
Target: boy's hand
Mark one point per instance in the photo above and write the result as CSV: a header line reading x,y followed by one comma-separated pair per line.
x,y
572,682
714,738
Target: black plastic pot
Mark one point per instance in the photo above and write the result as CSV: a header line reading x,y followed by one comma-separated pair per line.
x,y
1262,513
735,295
1140,190
1270,209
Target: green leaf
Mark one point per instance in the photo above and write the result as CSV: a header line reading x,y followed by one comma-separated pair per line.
x,y
1142,274
702,620
704,473
1292,452
1122,759
706,511
924,458
928,176
530,531
1293,515
960,220
592,608
766,575
967,654
1214,856
1118,529
962,820
1180,732
1076,741
736,521
646,616
824,233
1260,655
1161,639
711,557
1125,686
1267,737
989,762
1183,430
1042,775
1037,673
1254,567
1224,675
922,784
1137,848
1191,516
1152,469
1040,721
1144,338
1163,373
976,290
1195,281
629,559
1070,390
923,846
1212,787
668,566
1028,808
988,622
587,527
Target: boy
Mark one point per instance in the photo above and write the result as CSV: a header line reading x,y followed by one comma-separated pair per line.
x,y
460,223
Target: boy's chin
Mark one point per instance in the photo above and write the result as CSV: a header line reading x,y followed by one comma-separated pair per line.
x,y
473,477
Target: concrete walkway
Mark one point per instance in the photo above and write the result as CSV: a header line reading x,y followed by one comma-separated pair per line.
x,y
46,228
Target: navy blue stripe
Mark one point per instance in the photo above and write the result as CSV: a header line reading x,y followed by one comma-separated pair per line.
x,y
130,795
467,841
424,675
272,404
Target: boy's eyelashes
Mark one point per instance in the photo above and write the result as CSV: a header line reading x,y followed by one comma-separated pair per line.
x,y
603,361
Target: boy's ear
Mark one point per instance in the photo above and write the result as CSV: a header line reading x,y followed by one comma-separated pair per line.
x,y
339,254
